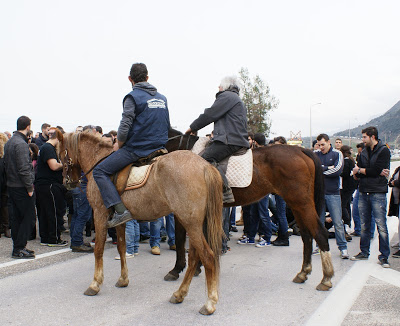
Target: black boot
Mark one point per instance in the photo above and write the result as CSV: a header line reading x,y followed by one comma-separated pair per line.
x,y
282,240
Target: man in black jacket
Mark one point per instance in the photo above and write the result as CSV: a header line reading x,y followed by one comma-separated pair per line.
x,y
20,177
372,170
230,127
43,136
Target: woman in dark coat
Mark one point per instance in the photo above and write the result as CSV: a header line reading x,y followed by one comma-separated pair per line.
x,y
348,184
394,182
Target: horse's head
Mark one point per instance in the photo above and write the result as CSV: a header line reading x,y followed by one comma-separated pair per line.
x,y
69,158
179,141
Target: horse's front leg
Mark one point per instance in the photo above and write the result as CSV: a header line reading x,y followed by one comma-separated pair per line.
x,y
101,234
123,280
180,240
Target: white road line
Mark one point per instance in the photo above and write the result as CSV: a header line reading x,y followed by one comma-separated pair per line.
x,y
21,261
346,292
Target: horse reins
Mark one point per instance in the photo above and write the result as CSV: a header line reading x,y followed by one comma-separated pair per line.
x,y
181,140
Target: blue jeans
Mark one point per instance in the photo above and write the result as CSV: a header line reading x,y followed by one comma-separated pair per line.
x,y
132,236
233,215
368,204
144,228
82,214
281,212
333,203
356,216
259,214
155,234
102,172
170,228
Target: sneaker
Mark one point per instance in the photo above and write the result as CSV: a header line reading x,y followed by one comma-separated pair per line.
x,y
243,237
127,256
82,248
360,256
44,244
246,241
119,219
234,229
355,234
59,243
155,250
396,246
315,251
263,243
384,262
348,237
344,254
22,254
396,254
172,247
280,242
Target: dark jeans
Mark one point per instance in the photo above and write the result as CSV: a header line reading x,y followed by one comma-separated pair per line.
x,y
281,213
82,214
51,207
368,204
259,215
22,216
218,151
102,172
345,197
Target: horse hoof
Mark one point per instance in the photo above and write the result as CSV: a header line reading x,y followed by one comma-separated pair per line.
x,y
299,279
175,300
91,292
171,277
324,287
206,311
197,272
122,284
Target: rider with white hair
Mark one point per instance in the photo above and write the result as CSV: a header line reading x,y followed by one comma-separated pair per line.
x,y
230,127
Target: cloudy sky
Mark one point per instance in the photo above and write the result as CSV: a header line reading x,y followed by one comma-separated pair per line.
x,y
66,62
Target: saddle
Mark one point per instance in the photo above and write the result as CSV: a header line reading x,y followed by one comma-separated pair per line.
x,y
238,168
135,175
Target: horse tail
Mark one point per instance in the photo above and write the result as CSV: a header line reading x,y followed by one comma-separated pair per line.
x,y
213,212
319,187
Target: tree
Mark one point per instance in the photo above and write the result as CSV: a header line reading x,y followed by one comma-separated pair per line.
x,y
259,102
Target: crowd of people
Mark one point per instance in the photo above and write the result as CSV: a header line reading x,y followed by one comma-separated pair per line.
x,y
32,188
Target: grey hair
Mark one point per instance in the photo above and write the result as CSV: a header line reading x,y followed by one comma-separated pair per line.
x,y
230,81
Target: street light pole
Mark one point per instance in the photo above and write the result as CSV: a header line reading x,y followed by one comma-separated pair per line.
x,y
310,123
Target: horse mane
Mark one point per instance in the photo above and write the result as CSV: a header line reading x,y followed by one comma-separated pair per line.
x,y
173,132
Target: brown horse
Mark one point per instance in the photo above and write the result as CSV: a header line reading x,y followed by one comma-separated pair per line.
x,y
292,172
180,182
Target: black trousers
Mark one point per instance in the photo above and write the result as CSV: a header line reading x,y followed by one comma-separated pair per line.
x,y
22,216
50,203
216,152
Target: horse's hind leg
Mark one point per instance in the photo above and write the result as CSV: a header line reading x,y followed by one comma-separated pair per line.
x,y
101,233
183,290
306,268
180,239
321,237
123,280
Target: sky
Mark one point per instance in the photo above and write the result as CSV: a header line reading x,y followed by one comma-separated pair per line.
x,y
67,62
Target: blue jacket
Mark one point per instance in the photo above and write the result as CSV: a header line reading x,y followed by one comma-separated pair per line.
x,y
331,176
145,123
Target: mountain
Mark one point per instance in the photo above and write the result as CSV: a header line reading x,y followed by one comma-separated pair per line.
x,y
388,125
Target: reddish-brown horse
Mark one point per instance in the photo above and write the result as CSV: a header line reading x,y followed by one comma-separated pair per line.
x,y
180,182
292,172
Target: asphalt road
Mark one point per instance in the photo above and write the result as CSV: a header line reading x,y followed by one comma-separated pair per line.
x,y
255,288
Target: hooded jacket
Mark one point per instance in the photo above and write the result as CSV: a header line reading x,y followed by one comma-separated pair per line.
x,y
230,119
145,120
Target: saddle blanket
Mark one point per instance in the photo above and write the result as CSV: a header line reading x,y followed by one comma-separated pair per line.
x,y
138,176
240,167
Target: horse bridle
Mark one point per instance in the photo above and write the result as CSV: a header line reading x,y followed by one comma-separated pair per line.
x,y
69,163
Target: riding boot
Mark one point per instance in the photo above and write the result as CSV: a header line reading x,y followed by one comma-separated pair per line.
x,y
282,240
227,191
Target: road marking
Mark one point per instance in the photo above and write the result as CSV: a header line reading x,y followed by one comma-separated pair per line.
x,y
349,288
21,261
